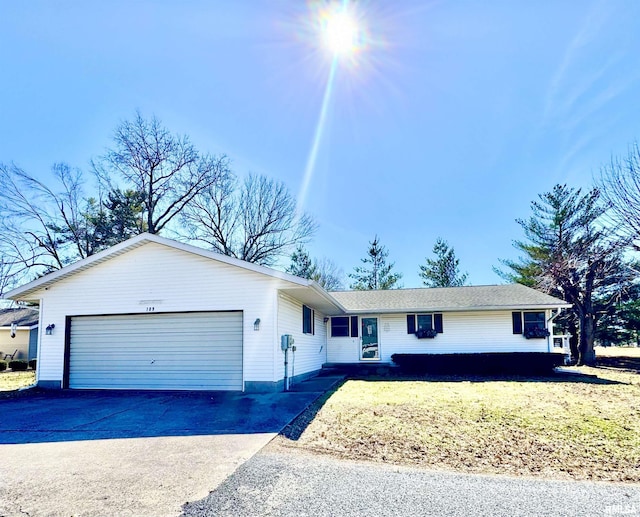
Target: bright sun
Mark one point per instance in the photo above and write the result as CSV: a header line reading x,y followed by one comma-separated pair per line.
x,y
340,32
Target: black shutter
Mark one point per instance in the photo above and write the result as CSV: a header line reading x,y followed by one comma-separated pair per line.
x,y
517,322
411,323
354,326
437,323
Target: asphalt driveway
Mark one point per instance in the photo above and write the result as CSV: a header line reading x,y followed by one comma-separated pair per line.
x,y
131,453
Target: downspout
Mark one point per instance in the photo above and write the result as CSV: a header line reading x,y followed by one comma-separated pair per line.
x,y
40,327
550,336
286,369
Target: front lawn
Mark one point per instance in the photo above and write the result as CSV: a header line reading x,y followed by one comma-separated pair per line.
x,y
564,426
10,381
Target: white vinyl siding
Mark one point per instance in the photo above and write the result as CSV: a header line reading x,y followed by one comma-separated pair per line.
x,y
464,332
310,352
189,351
161,279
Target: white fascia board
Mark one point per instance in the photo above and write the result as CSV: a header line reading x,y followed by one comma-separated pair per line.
x,y
458,309
320,290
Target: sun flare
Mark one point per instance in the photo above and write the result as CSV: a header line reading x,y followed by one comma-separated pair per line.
x,y
340,32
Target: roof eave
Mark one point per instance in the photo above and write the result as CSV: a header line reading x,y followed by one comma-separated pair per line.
x,y
523,307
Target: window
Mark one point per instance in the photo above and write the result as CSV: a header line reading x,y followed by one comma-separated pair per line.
x,y
425,322
418,322
340,326
534,321
344,326
307,320
530,324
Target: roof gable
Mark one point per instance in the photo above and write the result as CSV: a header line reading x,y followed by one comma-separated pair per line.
x,y
23,292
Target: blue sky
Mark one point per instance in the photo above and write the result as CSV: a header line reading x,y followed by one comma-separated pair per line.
x,y
451,120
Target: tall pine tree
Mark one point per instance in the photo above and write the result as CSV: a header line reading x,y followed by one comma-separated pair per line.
x,y
444,271
376,271
567,252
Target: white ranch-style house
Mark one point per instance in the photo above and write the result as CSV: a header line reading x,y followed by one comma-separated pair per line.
x,y
152,313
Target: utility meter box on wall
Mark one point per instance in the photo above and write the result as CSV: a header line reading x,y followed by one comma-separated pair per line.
x,y
286,341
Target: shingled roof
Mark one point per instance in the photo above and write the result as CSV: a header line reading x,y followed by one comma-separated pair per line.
x,y
444,299
23,316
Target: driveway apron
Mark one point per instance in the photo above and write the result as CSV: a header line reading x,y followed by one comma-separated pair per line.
x,y
130,453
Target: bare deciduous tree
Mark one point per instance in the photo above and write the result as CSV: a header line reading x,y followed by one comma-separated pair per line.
x,y
256,220
328,274
324,271
45,228
33,216
619,183
167,169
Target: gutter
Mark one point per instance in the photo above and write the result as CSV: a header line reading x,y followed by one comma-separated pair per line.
x,y
457,309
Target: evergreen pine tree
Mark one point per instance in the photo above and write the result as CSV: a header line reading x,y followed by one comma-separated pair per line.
x,y
376,272
444,271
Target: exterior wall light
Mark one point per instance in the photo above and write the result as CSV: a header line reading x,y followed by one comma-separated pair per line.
x,y
325,319
256,324
14,328
49,330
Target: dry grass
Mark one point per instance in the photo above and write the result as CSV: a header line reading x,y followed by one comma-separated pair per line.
x,y
618,351
10,381
565,426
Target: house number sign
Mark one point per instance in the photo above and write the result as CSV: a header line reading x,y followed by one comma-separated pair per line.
x,y
150,305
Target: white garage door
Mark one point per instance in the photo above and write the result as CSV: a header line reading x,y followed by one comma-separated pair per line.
x,y
178,351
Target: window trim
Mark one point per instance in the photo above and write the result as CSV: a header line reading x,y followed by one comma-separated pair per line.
x,y
543,321
519,325
437,322
352,326
347,327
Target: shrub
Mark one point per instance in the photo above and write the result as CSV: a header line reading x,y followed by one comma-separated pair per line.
x,y
486,363
32,364
3,365
18,366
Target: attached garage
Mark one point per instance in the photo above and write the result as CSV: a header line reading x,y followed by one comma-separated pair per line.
x,y
172,351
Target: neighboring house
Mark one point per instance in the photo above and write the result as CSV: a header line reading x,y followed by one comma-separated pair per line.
x,y
152,313
19,333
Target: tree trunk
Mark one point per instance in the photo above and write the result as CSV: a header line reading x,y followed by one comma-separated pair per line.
x,y
573,341
587,355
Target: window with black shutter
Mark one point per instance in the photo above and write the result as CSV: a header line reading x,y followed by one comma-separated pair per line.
x,y
354,326
516,318
307,320
418,322
411,323
437,323
340,326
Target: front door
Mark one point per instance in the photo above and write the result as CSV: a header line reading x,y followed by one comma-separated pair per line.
x,y
370,347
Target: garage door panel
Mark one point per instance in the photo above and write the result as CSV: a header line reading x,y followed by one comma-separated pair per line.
x,y
157,351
